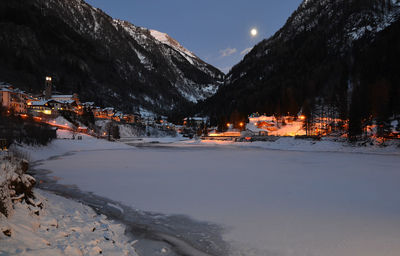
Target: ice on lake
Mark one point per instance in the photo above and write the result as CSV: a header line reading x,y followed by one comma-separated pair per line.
x,y
270,202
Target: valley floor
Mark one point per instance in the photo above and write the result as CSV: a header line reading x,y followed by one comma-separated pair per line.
x,y
286,198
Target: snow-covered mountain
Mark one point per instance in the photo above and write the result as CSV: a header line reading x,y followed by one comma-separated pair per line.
x,y
331,52
343,21
109,61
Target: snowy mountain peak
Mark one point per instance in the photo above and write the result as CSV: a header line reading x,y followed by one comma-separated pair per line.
x,y
166,39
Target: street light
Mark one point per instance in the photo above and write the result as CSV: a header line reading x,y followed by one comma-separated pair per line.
x,y
48,78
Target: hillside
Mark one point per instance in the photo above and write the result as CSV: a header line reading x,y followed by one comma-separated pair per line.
x,y
337,53
109,61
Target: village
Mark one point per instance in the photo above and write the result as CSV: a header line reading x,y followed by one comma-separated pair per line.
x,y
47,108
48,105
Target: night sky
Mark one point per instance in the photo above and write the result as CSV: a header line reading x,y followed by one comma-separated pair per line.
x,y
218,31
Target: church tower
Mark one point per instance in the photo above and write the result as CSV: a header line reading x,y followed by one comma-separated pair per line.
x,y
48,88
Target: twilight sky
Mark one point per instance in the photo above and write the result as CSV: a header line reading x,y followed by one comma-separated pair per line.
x,y
218,31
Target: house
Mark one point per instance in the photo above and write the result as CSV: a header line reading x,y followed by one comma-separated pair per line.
x,y
13,99
88,106
97,112
60,105
109,112
106,113
66,98
195,121
149,120
118,116
132,118
40,107
263,133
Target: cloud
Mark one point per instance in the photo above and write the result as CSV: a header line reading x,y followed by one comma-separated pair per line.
x,y
246,51
227,52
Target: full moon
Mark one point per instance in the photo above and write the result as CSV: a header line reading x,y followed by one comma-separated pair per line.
x,y
254,32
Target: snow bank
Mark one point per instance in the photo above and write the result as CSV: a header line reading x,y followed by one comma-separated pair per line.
x,y
64,144
308,145
61,227
135,130
44,224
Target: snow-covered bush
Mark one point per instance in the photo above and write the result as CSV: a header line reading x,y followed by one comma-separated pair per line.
x,y
15,184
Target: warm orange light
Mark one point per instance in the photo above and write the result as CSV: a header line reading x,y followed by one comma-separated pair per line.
x,y
228,124
241,124
303,117
48,78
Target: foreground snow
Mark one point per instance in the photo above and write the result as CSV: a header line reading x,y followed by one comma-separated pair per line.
x,y
61,227
39,223
305,201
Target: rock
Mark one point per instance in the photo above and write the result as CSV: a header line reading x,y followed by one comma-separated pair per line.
x,y
6,231
62,235
96,250
18,198
75,229
107,236
46,242
51,222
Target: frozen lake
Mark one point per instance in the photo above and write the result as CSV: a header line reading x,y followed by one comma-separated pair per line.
x,y
270,202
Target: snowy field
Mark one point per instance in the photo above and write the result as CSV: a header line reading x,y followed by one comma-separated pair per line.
x,y
270,202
